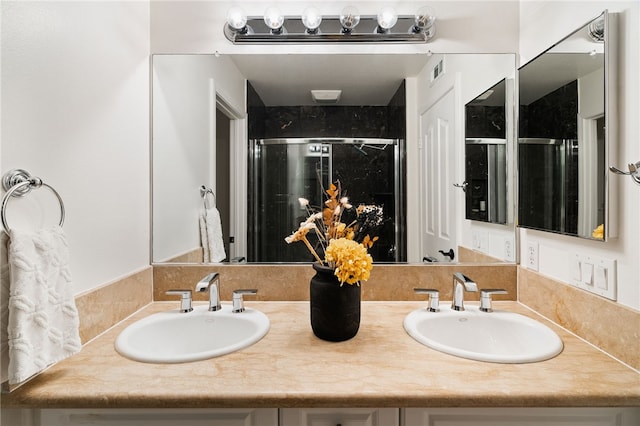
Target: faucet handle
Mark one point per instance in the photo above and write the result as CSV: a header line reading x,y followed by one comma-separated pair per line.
x,y
238,301
434,298
185,299
485,298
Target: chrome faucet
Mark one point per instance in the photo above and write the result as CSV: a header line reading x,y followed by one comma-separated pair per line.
x,y
212,283
461,283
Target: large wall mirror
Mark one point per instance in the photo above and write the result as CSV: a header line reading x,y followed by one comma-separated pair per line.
x,y
291,145
565,132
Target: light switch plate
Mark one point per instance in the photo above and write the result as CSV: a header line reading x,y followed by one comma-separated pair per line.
x,y
602,275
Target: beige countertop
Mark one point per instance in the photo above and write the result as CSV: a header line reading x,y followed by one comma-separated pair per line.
x,y
381,367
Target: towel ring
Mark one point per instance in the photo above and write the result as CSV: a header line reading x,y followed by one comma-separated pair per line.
x,y
18,183
203,193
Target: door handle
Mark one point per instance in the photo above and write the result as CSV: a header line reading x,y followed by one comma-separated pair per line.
x,y
462,185
450,254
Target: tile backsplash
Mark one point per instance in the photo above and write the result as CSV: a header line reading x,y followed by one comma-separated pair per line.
x,y
610,326
103,307
291,282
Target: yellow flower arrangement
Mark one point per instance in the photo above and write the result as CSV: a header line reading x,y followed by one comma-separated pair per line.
x,y
352,262
343,233
598,233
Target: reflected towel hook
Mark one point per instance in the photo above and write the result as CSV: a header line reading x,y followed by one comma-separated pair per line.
x,y
203,193
634,171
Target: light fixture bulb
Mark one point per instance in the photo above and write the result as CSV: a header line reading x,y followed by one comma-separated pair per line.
x,y
349,18
311,18
387,18
274,19
424,20
236,18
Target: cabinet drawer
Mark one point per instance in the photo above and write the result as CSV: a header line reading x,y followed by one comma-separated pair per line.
x,y
339,416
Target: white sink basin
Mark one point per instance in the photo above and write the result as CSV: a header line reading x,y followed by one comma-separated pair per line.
x,y
499,336
172,336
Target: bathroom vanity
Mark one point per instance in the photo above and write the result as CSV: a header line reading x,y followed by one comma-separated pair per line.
x,y
380,377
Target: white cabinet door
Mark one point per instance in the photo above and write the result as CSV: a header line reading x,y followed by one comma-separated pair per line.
x,y
159,417
339,417
521,417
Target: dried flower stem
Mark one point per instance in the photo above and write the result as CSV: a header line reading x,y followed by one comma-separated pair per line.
x,y
304,238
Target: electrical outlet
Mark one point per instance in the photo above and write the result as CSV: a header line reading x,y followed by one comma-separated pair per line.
x,y
532,256
509,254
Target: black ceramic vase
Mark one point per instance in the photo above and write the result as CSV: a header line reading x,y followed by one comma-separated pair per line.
x,y
335,309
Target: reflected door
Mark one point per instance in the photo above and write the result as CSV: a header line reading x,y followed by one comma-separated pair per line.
x,y
283,170
437,133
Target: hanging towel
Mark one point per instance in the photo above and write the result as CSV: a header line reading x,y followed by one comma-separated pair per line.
x,y
43,326
211,235
4,307
203,237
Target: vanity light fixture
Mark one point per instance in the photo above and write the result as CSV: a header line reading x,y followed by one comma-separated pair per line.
x,y
274,19
424,22
349,19
237,20
312,27
311,18
596,30
387,18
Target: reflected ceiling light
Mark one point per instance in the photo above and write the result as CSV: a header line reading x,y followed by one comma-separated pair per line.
x,y
424,22
326,96
274,20
349,19
237,20
387,18
311,18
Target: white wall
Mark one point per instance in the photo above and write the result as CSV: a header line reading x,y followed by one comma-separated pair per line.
x,y
75,112
558,19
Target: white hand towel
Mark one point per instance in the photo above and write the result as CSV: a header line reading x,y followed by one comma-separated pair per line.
x,y
203,237
214,243
43,320
4,307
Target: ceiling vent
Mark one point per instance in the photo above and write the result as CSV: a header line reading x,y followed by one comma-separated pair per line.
x,y
326,96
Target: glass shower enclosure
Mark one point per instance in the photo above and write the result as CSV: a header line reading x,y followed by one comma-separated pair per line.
x,y
283,170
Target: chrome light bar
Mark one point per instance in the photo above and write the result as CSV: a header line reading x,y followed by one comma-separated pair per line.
x,y
330,30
